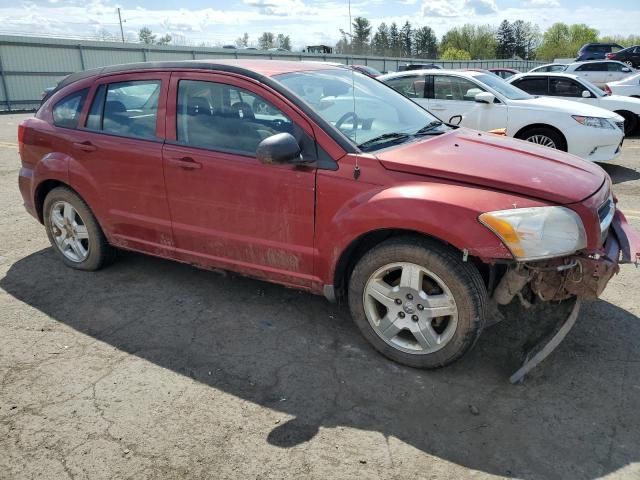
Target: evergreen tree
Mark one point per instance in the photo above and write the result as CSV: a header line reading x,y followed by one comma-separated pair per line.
x,y
425,43
505,40
406,40
361,34
394,40
380,42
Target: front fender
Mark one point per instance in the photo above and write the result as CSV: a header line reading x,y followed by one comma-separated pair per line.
x,y
441,210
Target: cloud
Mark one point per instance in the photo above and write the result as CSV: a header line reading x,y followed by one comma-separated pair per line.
x,y
541,3
439,8
480,7
458,8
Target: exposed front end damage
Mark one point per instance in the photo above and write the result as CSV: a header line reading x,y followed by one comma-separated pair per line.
x,y
577,277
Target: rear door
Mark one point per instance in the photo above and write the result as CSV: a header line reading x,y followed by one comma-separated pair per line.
x,y
119,155
595,72
228,209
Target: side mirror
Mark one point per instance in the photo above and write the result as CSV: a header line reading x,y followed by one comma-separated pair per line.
x,y
485,97
279,148
586,94
456,120
626,70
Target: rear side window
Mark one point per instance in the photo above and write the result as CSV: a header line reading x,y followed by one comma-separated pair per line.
x,y
534,86
129,109
412,86
66,113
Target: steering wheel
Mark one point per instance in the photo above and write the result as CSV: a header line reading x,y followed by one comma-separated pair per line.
x,y
346,117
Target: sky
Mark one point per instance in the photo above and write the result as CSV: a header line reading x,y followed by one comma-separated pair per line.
x,y
307,22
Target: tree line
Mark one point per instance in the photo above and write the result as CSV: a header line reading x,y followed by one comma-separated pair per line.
x,y
471,42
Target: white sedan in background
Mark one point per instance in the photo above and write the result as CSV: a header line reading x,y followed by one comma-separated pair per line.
x,y
573,87
550,67
628,86
486,102
599,72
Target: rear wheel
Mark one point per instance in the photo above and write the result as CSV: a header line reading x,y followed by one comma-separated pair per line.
x,y
74,232
545,137
630,121
416,302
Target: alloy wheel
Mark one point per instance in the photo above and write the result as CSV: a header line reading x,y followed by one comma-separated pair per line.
x,y
69,231
410,308
542,140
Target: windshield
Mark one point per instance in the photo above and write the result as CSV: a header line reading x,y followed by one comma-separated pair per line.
x,y
359,106
502,87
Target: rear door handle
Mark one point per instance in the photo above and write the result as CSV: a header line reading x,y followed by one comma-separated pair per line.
x,y
86,146
186,163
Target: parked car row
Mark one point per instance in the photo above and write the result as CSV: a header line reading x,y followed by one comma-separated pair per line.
x,y
320,178
485,102
610,51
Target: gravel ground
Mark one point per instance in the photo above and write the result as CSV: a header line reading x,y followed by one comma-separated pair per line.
x,y
152,369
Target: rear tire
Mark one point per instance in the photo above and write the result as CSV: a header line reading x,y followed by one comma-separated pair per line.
x,y
417,302
545,137
630,121
74,231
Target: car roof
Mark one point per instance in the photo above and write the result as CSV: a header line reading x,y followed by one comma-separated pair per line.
x,y
548,74
249,67
438,71
604,60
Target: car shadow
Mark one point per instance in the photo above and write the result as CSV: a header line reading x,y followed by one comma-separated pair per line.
x,y
619,173
576,416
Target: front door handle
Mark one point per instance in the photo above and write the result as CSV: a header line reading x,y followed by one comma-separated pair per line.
x,y
86,146
186,163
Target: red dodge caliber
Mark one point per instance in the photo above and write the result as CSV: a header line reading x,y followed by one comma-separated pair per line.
x,y
323,179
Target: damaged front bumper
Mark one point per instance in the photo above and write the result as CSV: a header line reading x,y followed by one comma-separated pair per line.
x,y
582,276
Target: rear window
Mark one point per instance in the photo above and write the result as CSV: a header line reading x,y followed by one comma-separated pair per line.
x,y
66,113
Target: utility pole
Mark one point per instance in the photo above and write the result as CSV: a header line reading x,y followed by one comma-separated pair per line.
x,y
120,20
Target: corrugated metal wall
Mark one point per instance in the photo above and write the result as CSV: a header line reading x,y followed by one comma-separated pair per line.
x,y
28,65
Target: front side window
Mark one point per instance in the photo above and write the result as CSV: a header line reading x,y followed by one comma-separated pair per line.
x,y
66,113
223,117
565,87
129,109
362,108
615,67
534,86
455,88
412,86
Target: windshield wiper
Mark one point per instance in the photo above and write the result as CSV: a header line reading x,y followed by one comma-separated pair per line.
x,y
385,137
429,127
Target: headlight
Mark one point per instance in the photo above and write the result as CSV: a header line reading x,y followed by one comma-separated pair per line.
x,y
537,232
596,122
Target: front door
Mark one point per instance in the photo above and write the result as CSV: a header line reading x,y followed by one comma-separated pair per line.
x,y
228,209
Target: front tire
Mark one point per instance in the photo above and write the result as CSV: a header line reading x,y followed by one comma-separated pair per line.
x,y
417,302
74,232
630,122
545,137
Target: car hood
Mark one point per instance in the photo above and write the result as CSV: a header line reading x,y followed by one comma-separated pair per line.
x,y
500,163
551,104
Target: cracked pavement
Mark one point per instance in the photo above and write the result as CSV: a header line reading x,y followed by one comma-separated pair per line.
x,y
152,369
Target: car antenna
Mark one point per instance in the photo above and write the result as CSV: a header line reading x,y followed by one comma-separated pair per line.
x,y
356,169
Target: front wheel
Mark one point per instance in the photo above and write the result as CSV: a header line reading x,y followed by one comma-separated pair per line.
x,y
417,302
545,137
630,121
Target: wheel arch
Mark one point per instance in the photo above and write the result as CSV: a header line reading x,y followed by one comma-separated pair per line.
x,y
531,126
350,256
